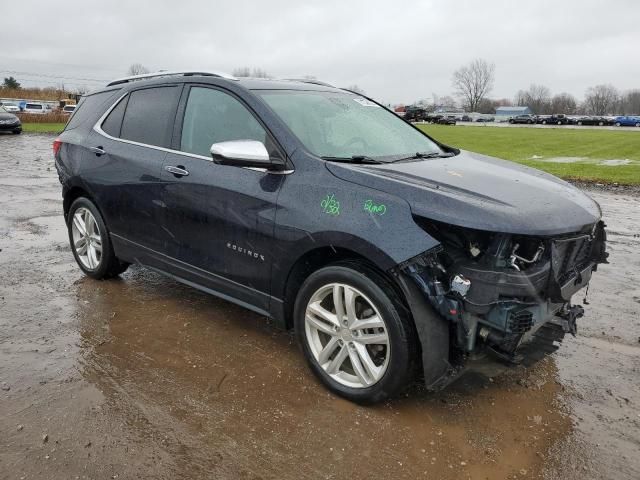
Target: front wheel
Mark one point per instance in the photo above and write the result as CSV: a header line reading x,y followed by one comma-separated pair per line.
x,y
90,241
18,131
618,124
355,333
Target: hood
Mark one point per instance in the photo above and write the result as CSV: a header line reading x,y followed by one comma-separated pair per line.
x,y
476,191
7,116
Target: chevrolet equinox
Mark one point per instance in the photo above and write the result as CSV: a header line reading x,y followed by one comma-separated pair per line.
x,y
393,257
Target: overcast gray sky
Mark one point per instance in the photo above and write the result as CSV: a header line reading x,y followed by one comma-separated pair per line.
x,y
397,51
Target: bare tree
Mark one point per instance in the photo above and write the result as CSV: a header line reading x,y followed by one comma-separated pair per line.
x,y
564,103
248,72
601,99
137,69
630,103
473,82
537,98
242,72
356,89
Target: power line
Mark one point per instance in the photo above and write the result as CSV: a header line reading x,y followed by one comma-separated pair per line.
x,y
60,77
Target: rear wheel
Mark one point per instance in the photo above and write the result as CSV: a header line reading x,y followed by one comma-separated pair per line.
x,y
90,241
355,333
618,124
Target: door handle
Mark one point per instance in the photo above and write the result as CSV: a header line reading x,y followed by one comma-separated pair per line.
x,y
178,171
97,150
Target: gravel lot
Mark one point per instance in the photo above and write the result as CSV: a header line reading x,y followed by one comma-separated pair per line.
x,y
142,377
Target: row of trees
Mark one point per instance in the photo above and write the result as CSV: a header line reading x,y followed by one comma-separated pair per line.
x,y
474,82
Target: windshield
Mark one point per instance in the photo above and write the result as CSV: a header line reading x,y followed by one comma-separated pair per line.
x,y
343,125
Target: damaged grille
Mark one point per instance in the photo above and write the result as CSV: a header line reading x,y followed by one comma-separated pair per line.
x,y
520,322
569,256
574,259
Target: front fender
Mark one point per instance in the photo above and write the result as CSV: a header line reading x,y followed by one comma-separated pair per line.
x,y
316,210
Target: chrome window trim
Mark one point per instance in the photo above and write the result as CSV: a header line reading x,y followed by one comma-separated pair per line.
x,y
98,129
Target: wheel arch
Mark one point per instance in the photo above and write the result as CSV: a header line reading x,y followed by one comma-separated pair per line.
x,y
320,257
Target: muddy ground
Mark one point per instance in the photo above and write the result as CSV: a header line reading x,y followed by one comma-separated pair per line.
x,y
142,377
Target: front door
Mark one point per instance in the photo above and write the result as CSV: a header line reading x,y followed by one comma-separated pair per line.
x,y
219,219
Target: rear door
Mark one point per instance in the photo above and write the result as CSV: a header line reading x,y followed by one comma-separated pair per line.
x,y
126,154
220,218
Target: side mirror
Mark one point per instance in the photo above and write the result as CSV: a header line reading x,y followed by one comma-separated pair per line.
x,y
241,153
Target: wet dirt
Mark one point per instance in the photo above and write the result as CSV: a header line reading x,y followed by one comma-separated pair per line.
x,y
141,377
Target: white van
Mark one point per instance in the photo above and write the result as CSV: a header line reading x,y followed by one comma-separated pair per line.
x,y
37,108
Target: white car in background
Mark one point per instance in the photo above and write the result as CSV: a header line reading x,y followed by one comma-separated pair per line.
x,y
36,108
68,109
10,107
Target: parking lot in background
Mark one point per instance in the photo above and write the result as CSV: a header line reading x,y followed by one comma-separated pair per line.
x,y
536,125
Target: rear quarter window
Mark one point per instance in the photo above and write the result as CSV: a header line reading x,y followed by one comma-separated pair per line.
x,y
113,123
90,108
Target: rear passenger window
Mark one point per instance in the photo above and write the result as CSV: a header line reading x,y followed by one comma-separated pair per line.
x,y
113,122
212,116
149,115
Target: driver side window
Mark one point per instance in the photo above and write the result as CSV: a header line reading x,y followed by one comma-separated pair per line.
x,y
212,116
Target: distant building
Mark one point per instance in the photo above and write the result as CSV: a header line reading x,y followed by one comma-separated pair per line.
x,y
508,112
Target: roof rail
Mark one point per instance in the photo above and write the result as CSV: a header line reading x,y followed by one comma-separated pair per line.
x,y
309,80
168,73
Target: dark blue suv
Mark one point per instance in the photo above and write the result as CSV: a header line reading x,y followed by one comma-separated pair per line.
x,y
393,256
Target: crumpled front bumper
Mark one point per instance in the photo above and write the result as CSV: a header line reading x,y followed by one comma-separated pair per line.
x,y
511,317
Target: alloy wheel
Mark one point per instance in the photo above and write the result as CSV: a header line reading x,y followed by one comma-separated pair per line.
x,y
87,241
347,335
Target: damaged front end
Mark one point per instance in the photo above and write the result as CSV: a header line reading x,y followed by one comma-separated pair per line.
x,y
501,295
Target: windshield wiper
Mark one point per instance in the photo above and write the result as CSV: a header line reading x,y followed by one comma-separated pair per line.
x,y
421,155
352,159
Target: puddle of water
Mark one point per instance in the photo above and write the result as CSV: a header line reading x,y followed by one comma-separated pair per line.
x,y
615,162
565,159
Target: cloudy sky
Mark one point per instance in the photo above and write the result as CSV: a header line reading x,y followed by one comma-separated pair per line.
x,y
396,51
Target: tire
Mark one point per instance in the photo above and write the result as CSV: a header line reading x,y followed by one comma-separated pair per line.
x,y
329,355
96,259
580,123
601,123
618,124
638,124
544,122
559,123
17,132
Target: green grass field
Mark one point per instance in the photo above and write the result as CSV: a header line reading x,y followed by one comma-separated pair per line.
x,y
574,154
42,127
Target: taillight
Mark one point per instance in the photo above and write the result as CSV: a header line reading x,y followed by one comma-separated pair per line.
x,y
57,143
